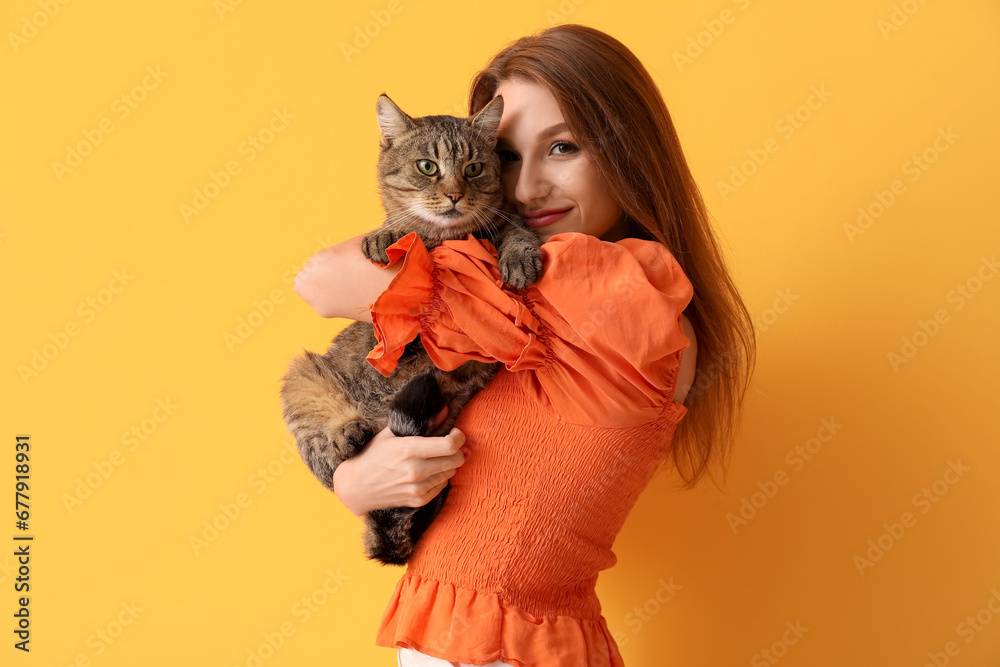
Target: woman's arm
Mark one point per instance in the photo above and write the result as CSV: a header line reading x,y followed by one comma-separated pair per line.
x,y
340,281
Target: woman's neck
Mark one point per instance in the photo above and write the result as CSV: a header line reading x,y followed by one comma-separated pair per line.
x,y
617,232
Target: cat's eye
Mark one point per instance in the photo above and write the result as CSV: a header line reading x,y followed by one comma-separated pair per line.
x,y
474,169
427,167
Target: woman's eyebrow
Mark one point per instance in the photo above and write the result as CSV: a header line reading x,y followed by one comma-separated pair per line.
x,y
555,129
543,135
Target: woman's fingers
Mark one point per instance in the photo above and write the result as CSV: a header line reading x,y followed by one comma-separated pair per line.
x,y
443,454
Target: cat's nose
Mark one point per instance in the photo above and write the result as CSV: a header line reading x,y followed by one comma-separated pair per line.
x,y
454,196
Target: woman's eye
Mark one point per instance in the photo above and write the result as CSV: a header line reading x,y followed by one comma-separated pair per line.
x,y
558,148
565,144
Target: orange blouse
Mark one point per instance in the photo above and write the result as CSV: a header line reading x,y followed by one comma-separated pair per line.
x,y
562,441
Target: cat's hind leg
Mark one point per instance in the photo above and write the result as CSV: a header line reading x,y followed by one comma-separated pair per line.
x,y
328,425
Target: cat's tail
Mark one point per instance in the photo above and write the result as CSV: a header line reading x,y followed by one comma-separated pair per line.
x,y
414,406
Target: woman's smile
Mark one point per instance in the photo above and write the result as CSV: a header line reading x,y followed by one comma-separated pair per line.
x,y
543,217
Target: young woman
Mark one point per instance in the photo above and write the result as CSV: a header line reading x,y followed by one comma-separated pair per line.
x,y
599,363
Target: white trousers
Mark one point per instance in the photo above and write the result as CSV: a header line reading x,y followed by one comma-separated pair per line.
x,y
408,657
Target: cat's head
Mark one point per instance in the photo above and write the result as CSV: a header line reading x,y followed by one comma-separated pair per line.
x,y
439,175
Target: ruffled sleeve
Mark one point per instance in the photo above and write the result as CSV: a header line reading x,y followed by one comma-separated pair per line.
x,y
597,339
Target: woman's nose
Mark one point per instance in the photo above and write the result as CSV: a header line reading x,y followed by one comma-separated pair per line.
x,y
532,183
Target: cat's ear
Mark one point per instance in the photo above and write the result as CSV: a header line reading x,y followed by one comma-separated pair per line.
x,y
392,120
487,121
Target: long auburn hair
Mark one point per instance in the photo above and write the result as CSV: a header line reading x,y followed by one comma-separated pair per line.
x,y
615,110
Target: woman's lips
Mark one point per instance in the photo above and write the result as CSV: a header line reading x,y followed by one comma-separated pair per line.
x,y
547,217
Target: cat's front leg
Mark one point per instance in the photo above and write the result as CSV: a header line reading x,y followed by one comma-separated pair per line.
x,y
376,242
519,256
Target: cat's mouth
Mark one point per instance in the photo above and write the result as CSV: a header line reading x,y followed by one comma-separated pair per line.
x,y
451,217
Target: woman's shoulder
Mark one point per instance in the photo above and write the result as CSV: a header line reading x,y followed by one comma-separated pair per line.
x,y
589,249
581,264
685,377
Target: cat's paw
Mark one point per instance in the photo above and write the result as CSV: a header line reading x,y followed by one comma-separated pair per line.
x,y
522,268
354,437
374,244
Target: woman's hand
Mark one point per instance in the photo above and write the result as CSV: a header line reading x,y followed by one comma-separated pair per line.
x,y
399,472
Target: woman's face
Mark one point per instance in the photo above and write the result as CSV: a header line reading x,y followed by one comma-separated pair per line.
x,y
543,168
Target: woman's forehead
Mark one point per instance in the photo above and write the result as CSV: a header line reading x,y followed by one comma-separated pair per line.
x,y
528,108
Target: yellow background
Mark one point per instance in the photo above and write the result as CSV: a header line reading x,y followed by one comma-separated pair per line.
x,y
831,308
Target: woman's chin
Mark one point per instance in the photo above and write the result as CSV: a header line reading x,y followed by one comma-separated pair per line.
x,y
545,235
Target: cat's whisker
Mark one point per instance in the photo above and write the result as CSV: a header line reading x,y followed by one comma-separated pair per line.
x,y
503,214
494,228
477,215
403,215
485,220
375,221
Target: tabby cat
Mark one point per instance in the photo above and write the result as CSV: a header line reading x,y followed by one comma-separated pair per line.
x,y
439,176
